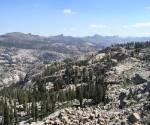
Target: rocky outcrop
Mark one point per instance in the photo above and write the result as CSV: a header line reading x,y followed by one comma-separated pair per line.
x,y
134,117
137,79
134,112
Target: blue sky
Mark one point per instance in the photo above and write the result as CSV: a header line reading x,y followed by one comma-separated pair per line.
x,y
76,17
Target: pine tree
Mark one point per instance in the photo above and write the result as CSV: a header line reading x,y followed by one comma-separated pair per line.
x,y
29,110
90,74
15,114
6,115
33,109
99,88
79,94
36,112
98,93
24,100
84,75
11,113
43,109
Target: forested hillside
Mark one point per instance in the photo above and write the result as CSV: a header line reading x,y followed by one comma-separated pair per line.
x,y
111,86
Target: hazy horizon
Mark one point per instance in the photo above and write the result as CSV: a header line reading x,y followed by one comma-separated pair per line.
x,y
90,35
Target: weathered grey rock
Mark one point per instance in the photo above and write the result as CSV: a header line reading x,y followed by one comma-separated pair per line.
x,y
123,123
60,115
92,116
65,120
148,87
88,123
76,121
137,79
84,120
57,122
106,107
138,97
134,117
68,111
79,112
52,122
47,121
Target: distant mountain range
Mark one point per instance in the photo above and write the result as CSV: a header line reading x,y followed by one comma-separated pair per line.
x,y
18,39
107,40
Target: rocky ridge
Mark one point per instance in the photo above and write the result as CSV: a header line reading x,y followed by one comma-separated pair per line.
x,y
128,95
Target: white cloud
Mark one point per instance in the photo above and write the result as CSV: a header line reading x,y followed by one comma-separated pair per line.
x,y
142,24
146,34
125,26
68,11
97,26
148,7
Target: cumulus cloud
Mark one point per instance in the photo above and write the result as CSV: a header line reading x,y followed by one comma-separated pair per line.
x,y
97,26
142,24
68,11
